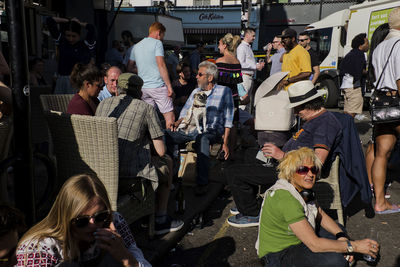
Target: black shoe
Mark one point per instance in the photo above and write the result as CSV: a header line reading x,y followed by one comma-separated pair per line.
x,y
200,190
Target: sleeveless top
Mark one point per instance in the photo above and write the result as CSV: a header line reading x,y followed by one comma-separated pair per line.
x,y
230,75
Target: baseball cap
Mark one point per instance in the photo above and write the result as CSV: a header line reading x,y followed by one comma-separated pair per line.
x,y
126,80
288,33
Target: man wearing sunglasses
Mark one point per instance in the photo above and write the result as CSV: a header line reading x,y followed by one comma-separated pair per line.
x,y
296,60
304,41
219,121
275,59
320,132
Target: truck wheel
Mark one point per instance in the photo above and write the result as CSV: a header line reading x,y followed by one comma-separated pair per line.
x,y
332,97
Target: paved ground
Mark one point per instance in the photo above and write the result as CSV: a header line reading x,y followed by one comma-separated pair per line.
x,y
215,243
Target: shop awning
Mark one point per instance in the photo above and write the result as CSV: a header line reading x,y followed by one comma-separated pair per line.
x,y
211,30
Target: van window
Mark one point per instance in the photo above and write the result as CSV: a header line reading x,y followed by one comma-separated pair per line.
x,y
321,42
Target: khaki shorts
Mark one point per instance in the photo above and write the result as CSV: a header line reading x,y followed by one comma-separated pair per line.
x,y
353,100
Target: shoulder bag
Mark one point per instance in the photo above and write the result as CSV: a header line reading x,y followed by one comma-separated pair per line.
x,y
385,103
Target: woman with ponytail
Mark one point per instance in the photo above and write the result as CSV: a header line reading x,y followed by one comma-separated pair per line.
x,y
87,80
230,75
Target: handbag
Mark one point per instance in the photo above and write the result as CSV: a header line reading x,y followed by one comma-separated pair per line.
x,y
385,103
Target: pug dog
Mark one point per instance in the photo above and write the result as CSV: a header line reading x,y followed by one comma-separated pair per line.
x,y
191,121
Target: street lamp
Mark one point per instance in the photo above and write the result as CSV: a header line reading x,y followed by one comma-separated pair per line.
x,y
103,4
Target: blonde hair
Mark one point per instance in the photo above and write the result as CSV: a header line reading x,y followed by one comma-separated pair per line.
x,y
157,26
73,198
231,42
294,159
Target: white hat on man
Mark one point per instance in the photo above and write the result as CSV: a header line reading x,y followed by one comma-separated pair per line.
x,y
302,92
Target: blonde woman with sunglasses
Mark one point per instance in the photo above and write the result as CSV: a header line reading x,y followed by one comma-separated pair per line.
x,y
80,230
294,230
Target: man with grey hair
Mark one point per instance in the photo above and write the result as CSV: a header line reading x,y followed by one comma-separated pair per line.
x,y
219,118
386,133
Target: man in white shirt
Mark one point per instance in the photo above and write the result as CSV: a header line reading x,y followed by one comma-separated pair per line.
x,y
245,55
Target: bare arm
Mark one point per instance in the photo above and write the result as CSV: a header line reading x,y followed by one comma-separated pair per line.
x,y
225,145
306,234
4,68
398,85
159,146
327,223
275,152
299,77
322,154
60,20
131,66
316,74
164,74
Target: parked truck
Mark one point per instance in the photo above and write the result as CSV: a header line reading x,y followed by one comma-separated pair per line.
x,y
139,23
332,37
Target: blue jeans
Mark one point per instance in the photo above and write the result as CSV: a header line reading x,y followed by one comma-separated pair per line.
x,y
301,256
202,146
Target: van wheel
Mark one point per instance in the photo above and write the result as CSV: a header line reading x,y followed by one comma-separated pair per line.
x,y
332,97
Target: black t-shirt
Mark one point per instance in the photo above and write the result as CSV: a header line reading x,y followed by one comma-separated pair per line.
x,y
314,57
183,90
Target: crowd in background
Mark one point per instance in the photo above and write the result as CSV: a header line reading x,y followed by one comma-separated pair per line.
x,y
154,98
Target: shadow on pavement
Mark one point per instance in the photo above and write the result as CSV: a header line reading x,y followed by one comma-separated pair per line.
x,y
205,255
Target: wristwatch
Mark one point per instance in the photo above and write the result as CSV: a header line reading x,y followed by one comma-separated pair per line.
x,y
350,248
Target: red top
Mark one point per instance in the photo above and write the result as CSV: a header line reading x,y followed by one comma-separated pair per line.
x,y
79,106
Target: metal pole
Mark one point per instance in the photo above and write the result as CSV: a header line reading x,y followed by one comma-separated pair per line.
x,y
23,168
320,9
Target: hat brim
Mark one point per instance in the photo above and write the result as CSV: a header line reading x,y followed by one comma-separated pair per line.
x,y
269,85
318,94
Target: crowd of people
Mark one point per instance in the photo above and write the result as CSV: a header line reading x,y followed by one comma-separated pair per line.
x,y
156,101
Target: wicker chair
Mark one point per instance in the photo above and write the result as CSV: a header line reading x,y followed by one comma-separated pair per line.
x,y
86,144
40,132
328,191
6,132
56,102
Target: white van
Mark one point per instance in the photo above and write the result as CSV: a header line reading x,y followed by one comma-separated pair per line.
x,y
332,37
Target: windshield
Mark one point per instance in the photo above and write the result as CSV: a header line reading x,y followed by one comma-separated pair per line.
x,y
321,42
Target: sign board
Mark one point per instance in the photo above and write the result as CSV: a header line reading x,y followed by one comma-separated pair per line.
x,y
138,24
376,19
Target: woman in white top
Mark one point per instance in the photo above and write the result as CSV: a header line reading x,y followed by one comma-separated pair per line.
x,y
80,230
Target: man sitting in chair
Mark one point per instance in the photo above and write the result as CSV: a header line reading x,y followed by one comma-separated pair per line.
x,y
138,129
320,132
219,117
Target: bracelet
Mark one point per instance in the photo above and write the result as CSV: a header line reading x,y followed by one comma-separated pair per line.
x,y
342,234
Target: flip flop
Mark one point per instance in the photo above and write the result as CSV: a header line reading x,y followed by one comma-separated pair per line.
x,y
394,209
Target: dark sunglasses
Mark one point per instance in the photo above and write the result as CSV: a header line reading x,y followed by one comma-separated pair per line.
x,y
303,170
302,40
201,74
99,217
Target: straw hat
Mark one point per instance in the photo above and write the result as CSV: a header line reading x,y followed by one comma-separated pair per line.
x,y
302,92
268,85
